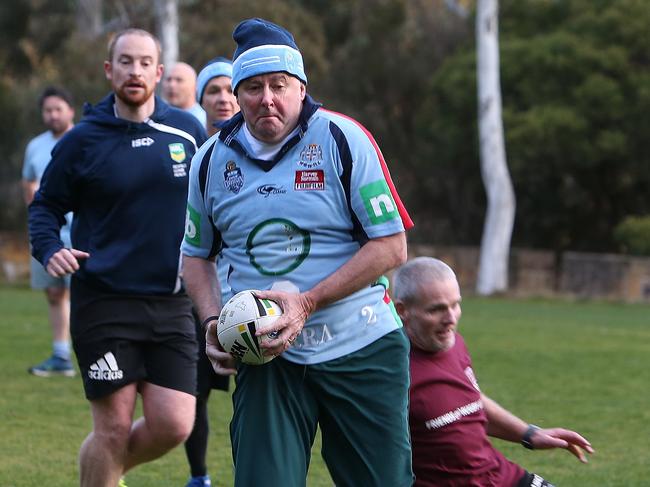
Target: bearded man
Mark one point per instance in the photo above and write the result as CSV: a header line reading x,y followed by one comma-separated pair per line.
x,y
123,171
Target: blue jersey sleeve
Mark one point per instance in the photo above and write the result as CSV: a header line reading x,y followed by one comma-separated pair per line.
x,y
201,237
371,197
29,169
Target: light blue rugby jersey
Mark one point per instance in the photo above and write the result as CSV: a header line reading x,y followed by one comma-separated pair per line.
x,y
295,222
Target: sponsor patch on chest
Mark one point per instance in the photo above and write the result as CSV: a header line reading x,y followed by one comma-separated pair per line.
x,y
313,180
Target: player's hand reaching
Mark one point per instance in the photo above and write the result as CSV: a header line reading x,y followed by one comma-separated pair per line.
x,y
65,261
562,438
222,362
296,308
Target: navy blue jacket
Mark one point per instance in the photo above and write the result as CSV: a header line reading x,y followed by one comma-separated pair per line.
x,y
126,183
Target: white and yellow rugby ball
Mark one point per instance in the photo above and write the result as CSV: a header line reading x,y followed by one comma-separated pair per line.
x,y
239,319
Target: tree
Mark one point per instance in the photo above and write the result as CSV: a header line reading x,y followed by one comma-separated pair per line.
x,y
575,78
89,18
497,229
167,28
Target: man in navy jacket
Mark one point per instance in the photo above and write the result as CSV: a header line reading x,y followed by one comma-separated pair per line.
x,y
123,171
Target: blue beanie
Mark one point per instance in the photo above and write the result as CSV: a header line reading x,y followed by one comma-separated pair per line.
x,y
219,66
264,47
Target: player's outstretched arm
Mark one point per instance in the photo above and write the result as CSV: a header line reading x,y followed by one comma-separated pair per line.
x,y
506,426
65,261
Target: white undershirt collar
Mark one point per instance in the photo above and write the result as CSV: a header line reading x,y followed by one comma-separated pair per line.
x,y
262,150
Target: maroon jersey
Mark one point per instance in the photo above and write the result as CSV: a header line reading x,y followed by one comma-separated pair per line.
x,y
448,424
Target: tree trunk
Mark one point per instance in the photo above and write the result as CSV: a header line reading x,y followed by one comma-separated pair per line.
x,y
167,27
89,18
497,230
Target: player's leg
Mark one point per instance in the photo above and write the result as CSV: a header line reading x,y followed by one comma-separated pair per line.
x,y
364,414
168,402
273,427
58,300
104,451
196,444
168,416
57,295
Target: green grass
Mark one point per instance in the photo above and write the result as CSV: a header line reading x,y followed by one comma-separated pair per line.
x,y
554,363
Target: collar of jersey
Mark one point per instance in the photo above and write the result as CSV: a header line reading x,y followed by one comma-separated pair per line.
x,y
229,131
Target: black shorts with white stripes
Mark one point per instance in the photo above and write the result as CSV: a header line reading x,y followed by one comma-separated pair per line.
x,y
122,339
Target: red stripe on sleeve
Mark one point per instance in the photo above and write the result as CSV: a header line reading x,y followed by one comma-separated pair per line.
x,y
406,219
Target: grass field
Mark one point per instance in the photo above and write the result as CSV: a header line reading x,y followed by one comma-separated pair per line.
x,y
555,363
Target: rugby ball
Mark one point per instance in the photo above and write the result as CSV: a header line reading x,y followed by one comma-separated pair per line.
x,y
239,319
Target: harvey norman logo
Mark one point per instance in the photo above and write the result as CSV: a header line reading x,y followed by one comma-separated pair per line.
x,y
105,368
313,180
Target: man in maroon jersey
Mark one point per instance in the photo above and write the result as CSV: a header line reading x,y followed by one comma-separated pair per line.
x,y
450,418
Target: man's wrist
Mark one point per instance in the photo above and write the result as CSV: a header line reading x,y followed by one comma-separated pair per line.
x,y
527,439
208,320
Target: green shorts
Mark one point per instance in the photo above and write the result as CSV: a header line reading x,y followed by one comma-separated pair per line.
x,y
360,402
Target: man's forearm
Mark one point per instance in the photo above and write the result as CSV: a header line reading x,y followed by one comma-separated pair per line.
x,y
202,285
371,261
502,423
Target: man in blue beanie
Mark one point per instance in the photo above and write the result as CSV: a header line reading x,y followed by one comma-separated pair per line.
x,y
300,202
214,93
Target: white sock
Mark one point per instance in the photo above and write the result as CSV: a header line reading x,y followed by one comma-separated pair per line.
x,y
61,349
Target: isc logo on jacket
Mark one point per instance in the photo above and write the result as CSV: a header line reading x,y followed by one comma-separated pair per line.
x,y
143,142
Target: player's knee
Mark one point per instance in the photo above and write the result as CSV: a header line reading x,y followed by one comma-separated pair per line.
x,y
173,431
115,438
55,295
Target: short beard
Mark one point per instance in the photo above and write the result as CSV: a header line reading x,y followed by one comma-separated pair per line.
x,y
58,130
133,102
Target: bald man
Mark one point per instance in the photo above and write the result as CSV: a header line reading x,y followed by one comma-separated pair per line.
x,y
179,90
450,418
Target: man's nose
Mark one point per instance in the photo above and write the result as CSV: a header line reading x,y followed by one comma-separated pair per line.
x,y
267,96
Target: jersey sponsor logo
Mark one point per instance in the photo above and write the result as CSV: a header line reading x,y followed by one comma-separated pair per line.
x,y
233,179
379,202
105,368
277,246
310,180
177,152
192,227
313,336
143,142
453,416
311,156
268,189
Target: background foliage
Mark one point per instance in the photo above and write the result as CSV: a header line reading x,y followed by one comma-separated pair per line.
x,y
575,80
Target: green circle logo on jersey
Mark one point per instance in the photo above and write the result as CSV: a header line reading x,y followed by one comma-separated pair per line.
x,y
277,246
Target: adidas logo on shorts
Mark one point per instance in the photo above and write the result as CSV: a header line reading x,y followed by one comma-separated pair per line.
x,y
105,368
